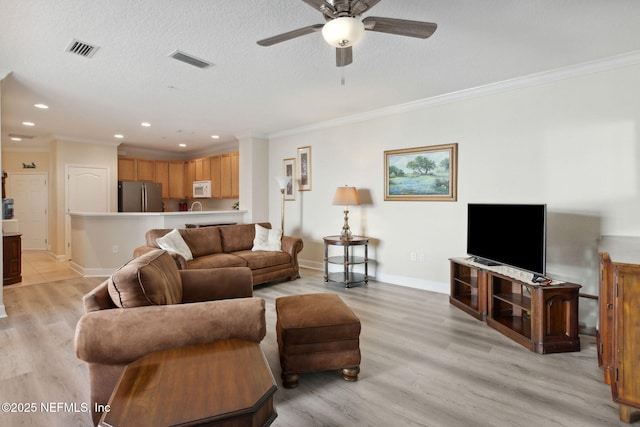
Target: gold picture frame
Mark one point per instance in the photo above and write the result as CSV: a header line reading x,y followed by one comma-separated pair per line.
x,y
422,173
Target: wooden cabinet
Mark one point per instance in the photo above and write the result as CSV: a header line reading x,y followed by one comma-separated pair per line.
x,y
177,180
145,170
11,258
229,176
619,332
542,318
203,169
161,168
469,289
215,177
126,169
177,177
136,170
235,175
190,176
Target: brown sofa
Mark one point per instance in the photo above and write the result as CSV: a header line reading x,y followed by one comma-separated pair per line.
x,y
230,246
149,305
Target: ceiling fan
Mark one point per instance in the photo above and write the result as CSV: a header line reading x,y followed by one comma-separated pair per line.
x,y
344,28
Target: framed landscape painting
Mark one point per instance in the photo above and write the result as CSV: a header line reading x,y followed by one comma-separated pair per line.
x,y
423,173
304,168
290,171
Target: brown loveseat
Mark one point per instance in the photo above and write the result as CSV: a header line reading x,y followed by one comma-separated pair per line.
x,y
149,305
230,246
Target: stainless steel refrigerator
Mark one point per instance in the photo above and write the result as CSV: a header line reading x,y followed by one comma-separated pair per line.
x,y
134,196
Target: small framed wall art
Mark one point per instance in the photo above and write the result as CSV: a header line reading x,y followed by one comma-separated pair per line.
x,y
304,168
422,173
290,171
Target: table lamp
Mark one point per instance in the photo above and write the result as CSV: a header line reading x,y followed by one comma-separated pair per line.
x,y
346,196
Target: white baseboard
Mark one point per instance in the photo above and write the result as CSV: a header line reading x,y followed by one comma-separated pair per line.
x,y
410,282
57,258
91,272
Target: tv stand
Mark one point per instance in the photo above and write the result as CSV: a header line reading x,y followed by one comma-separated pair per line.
x,y
543,318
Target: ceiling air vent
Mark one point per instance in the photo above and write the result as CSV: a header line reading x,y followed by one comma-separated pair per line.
x,y
15,135
81,48
190,59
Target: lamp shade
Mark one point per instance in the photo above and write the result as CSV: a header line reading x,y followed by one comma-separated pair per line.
x,y
283,181
346,196
343,32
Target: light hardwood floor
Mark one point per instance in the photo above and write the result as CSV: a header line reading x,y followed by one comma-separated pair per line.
x,y
424,363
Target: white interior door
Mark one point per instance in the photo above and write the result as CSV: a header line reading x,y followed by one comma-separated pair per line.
x,y
30,194
87,191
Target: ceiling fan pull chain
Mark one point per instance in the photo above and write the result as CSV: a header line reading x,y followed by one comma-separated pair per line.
x,y
342,78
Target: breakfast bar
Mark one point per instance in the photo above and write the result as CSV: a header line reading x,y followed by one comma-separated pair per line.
x,y
103,241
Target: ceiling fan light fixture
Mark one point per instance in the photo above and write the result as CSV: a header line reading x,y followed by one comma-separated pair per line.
x,y
343,32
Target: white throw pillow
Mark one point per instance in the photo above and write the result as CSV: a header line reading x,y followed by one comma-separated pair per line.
x,y
267,239
173,242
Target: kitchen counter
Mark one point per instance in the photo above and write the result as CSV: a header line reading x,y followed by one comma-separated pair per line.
x,y
103,241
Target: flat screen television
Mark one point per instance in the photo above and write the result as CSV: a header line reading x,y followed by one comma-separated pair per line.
x,y
508,234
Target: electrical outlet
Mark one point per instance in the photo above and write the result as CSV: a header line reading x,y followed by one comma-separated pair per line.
x,y
413,256
421,257
115,249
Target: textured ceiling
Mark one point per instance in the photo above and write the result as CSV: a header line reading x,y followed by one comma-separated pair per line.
x,y
261,90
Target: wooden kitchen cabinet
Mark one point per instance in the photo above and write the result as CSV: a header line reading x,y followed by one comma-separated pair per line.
x,y
235,175
229,176
162,176
177,180
136,170
190,176
215,177
203,169
145,170
126,169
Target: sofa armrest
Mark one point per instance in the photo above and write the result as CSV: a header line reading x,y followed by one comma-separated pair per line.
x,y
292,246
179,259
216,283
141,250
120,336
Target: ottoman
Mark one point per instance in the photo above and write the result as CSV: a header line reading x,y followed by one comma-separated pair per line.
x,y
316,332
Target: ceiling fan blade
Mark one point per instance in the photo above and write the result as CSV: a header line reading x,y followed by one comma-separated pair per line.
x,y
401,27
290,35
344,56
361,6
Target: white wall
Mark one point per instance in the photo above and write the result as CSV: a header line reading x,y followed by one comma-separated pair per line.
x,y
572,144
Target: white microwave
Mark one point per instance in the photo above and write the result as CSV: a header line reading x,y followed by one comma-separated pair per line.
x,y
201,189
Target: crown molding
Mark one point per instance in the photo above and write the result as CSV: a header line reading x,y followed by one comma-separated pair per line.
x,y
613,62
64,138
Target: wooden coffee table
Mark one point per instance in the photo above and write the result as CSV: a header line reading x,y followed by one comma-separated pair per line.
x,y
225,383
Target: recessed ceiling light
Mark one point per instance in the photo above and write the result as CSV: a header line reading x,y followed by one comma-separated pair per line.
x,y
28,123
41,106
182,145
215,136
118,135
145,124
16,139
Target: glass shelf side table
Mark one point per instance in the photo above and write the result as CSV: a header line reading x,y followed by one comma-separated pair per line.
x,y
347,259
